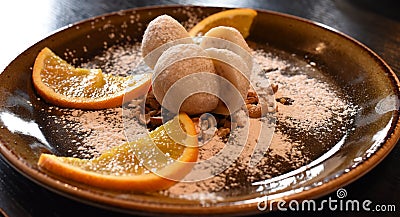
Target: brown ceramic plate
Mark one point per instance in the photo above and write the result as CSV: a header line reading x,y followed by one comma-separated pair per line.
x,y
359,74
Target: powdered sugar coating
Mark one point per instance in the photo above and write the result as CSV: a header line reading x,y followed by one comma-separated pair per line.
x,y
232,67
227,33
161,30
180,61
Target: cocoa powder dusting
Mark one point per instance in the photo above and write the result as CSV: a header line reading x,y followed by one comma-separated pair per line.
x,y
318,116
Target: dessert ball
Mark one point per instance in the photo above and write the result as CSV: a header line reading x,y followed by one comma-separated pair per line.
x,y
160,31
188,69
233,68
227,33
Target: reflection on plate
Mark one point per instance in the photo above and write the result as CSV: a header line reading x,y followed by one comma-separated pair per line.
x,y
343,121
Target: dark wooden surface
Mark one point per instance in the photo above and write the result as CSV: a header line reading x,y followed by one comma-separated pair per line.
x,y
374,23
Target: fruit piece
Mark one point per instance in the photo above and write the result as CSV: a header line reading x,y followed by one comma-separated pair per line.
x,y
153,162
240,19
160,31
63,85
186,64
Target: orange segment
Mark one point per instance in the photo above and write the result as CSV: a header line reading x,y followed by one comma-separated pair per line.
x,y
240,19
123,167
62,84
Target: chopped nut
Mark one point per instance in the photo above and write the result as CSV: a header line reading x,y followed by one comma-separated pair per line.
x,y
251,100
274,87
265,71
254,110
227,124
285,100
152,102
156,121
223,132
153,113
251,93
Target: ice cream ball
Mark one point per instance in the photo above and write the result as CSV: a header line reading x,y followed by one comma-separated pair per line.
x,y
182,67
160,31
234,69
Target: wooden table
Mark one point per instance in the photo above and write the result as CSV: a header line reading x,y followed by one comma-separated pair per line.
x,y
374,23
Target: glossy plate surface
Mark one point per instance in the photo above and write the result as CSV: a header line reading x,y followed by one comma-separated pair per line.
x,y
27,126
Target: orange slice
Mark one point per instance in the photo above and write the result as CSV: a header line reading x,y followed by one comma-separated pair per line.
x,y
240,19
135,166
61,84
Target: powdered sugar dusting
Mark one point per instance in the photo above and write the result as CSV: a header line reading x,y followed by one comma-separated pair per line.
x,y
318,118
89,133
98,130
300,137
317,104
117,59
193,16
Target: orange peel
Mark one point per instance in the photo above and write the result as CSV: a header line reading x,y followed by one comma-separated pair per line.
x,y
120,169
240,19
61,84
